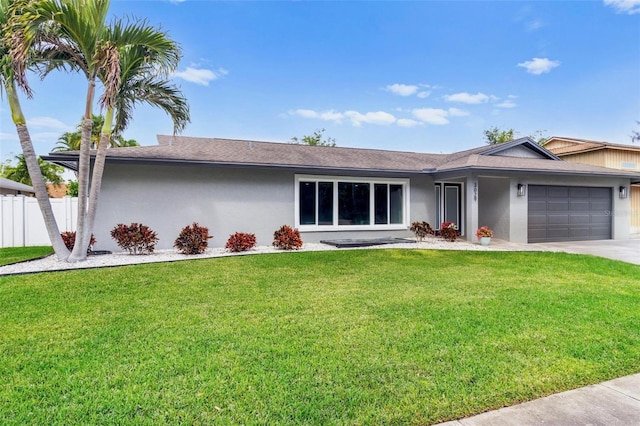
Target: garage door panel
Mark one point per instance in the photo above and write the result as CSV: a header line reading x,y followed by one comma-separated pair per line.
x,y
558,206
558,192
538,206
538,220
560,219
579,206
600,206
579,193
562,213
575,219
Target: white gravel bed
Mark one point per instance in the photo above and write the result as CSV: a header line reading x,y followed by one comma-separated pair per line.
x,y
51,263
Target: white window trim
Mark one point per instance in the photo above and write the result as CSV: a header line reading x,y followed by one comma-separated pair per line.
x,y
371,181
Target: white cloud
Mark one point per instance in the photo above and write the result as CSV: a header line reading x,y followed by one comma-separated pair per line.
x,y
201,76
48,123
329,115
456,112
539,66
407,122
434,116
424,94
507,104
468,98
630,7
378,117
402,89
535,25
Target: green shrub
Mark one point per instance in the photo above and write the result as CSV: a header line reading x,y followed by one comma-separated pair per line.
x,y
193,239
287,238
69,239
241,242
135,238
449,231
421,230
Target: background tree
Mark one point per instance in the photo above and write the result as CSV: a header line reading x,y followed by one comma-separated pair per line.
x,y
70,141
495,136
20,172
10,12
315,140
72,188
635,134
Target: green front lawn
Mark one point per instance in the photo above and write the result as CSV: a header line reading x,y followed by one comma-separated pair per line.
x,y
20,254
342,337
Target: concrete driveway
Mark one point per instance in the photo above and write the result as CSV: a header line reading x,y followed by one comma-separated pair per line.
x,y
624,250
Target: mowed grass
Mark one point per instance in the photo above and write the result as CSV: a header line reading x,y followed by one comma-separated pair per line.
x,y
20,254
342,337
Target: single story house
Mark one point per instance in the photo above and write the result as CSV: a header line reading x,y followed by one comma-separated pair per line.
x,y
519,189
605,154
10,187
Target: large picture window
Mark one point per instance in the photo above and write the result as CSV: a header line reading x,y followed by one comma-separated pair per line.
x,y
325,203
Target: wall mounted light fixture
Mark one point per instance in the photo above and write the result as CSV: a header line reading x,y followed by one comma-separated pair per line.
x,y
623,192
521,190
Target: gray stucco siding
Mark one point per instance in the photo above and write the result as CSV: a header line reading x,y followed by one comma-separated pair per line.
x,y
168,198
226,200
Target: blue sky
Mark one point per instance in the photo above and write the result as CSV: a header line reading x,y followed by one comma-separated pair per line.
x,y
417,76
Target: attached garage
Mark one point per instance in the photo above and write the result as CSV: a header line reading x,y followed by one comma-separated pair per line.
x,y
569,213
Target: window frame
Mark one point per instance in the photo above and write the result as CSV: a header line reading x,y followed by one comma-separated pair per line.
x,y
405,183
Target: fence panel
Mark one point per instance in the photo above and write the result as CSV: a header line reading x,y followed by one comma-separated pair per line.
x,y
22,223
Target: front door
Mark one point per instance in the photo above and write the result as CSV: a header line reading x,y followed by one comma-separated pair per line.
x,y
448,204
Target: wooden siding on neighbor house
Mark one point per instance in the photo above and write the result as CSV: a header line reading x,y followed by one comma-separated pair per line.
x,y
595,158
555,144
612,158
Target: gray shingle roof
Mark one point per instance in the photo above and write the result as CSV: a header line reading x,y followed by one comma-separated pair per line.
x,y
182,149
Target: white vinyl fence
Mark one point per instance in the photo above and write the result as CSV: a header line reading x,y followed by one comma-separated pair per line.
x,y
22,223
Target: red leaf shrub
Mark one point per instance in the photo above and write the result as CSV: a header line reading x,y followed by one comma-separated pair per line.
x,y
193,239
449,231
421,230
287,238
69,239
135,238
241,242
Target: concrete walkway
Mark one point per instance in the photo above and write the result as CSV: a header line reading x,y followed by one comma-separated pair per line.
x,y
612,403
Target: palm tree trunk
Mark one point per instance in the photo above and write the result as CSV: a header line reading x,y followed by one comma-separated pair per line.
x,y
79,252
96,178
34,171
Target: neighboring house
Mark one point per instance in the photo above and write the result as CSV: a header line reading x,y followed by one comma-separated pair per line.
x,y
56,190
519,189
615,156
9,187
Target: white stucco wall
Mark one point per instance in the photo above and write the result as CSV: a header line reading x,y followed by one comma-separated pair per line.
x,y
226,200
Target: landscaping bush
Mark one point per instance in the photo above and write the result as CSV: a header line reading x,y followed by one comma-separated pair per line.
x,y
449,231
69,239
135,238
241,242
193,239
287,238
421,230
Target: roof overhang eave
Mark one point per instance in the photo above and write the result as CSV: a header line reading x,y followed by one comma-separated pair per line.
x,y
613,174
72,164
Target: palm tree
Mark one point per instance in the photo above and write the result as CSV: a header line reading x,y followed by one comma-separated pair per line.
x,y
78,38
140,81
8,80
